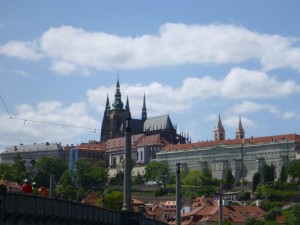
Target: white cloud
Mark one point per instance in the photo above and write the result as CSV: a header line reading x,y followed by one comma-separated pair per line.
x,y
241,83
72,49
161,99
47,121
21,50
248,107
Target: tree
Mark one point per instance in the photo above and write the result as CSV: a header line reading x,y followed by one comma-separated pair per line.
x,y
193,178
114,200
156,171
43,167
294,218
229,179
294,169
255,180
118,179
206,176
253,221
138,180
283,174
18,169
268,173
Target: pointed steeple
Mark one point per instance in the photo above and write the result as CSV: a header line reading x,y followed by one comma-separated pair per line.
x,y
107,107
127,104
144,110
118,104
219,132
240,133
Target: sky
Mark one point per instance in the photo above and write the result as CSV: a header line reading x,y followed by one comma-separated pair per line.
x,y
194,60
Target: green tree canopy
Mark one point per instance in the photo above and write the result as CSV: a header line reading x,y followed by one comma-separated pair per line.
x,y
157,171
43,167
294,217
193,178
256,180
294,169
229,179
114,200
268,173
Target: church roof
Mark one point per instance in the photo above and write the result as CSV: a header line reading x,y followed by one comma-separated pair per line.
x,y
157,123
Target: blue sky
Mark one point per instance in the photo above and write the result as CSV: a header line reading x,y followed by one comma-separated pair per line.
x,y
192,59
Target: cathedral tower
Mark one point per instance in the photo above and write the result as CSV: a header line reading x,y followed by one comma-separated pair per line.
x,y
240,133
219,131
114,117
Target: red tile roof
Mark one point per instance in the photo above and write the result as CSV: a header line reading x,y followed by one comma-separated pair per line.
x,y
245,142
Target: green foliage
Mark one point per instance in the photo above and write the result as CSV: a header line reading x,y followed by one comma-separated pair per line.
x,y
268,173
253,221
43,168
193,178
88,175
80,194
114,200
160,192
66,178
294,217
274,193
256,180
294,169
268,205
206,176
157,171
283,174
273,213
244,196
118,179
138,180
229,179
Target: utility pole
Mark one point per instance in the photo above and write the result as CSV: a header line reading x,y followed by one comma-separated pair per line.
x,y
127,172
178,195
52,182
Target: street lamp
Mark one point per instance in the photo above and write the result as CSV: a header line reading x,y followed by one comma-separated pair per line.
x,y
178,193
52,182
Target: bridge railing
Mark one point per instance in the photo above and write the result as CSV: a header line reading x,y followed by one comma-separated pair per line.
x,y
19,208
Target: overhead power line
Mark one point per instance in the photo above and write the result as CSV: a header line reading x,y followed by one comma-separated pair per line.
x,y
44,122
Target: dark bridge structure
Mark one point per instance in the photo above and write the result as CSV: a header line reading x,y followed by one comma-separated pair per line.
x,y
23,209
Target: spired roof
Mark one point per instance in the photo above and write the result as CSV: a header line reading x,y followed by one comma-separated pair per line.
x,y
157,123
34,148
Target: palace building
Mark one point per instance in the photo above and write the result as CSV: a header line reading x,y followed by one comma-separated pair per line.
x,y
244,156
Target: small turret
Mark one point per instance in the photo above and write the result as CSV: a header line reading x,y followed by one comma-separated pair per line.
x,y
240,133
219,132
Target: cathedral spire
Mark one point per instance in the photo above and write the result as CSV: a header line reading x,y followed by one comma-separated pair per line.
x,y
107,107
118,104
240,133
144,110
127,104
219,131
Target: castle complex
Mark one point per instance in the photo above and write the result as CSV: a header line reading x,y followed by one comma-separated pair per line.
x,y
114,117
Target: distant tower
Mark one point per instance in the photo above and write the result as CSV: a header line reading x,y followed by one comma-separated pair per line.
x,y
113,123
219,131
240,133
144,110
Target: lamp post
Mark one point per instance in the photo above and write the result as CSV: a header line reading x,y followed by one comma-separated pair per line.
x,y
127,172
52,182
178,195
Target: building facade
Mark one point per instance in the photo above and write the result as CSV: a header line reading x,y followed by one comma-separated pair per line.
x,y
32,152
244,156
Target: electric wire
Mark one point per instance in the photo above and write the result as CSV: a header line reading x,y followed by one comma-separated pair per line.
x,y
44,122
